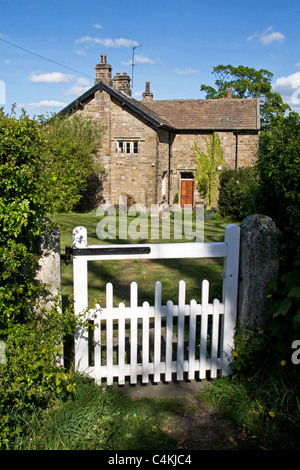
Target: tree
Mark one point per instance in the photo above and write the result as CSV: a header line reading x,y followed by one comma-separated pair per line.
x,y
207,167
69,160
247,82
44,166
278,165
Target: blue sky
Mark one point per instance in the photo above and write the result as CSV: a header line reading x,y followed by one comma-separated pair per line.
x,y
180,41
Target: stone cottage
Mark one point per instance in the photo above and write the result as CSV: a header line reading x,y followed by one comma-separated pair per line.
x,y
148,145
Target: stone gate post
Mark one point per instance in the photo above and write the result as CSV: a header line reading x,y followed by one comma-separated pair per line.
x,y
259,263
49,270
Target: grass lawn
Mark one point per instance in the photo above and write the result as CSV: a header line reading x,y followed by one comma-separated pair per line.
x,y
144,272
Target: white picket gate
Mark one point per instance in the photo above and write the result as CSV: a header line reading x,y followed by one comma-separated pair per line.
x,y
157,341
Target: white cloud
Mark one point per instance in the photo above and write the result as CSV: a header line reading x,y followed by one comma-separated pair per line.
x,y
84,39
186,71
137,94
140,59
98,26
81,85
275,36
52,77
108,42
289,89
43,104
268,36
80,52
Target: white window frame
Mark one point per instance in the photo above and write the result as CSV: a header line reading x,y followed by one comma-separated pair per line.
x,y
129,146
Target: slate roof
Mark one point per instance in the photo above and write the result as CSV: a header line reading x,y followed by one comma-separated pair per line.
x,y
219,114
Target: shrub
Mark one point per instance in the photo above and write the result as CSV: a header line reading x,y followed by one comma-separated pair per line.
x,y
31,375
207,164
238,192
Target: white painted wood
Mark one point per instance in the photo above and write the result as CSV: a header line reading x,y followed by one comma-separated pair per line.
x,y
230,293
121,349
215,338
192,339
97,343
80,237
145,344
80,308
169,341
133,332
180,332
226,310
203,333
157,331
109,333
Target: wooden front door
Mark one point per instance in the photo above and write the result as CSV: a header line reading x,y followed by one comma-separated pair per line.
x,y
186,193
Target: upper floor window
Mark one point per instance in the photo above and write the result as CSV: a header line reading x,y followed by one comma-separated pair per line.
x,y
127,146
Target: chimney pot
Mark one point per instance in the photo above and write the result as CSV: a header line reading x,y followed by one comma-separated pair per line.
x,y
122,83
147,95
103,71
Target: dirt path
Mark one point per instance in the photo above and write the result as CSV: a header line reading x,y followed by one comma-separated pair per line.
x,y
199,426
204,429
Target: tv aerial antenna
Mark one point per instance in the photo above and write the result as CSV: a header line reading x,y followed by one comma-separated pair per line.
x,y
132,63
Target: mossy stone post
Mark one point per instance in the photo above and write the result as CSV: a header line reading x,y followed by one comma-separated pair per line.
x,y
259,263
49,270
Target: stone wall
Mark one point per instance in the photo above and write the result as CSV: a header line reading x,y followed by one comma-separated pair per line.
x,y
132,174
183,157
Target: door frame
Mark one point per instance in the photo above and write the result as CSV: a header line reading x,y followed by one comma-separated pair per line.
x,y
186,179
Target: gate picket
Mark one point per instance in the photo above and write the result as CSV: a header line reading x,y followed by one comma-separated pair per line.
x,y
215,321
172,339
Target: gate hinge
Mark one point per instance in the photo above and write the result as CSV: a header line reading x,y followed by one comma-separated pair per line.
x,y
67,256
101,251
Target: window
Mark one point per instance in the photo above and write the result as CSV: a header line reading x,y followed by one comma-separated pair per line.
x,y
127,146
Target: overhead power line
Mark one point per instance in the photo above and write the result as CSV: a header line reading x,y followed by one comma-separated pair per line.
x,y
42,57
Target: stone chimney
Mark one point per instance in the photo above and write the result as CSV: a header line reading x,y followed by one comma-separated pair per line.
x,y
103,72
229,93
122,83
147,95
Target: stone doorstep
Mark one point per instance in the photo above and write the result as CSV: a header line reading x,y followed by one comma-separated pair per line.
x,y
162,389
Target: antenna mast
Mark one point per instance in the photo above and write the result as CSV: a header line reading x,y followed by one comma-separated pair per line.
x,y
133,64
